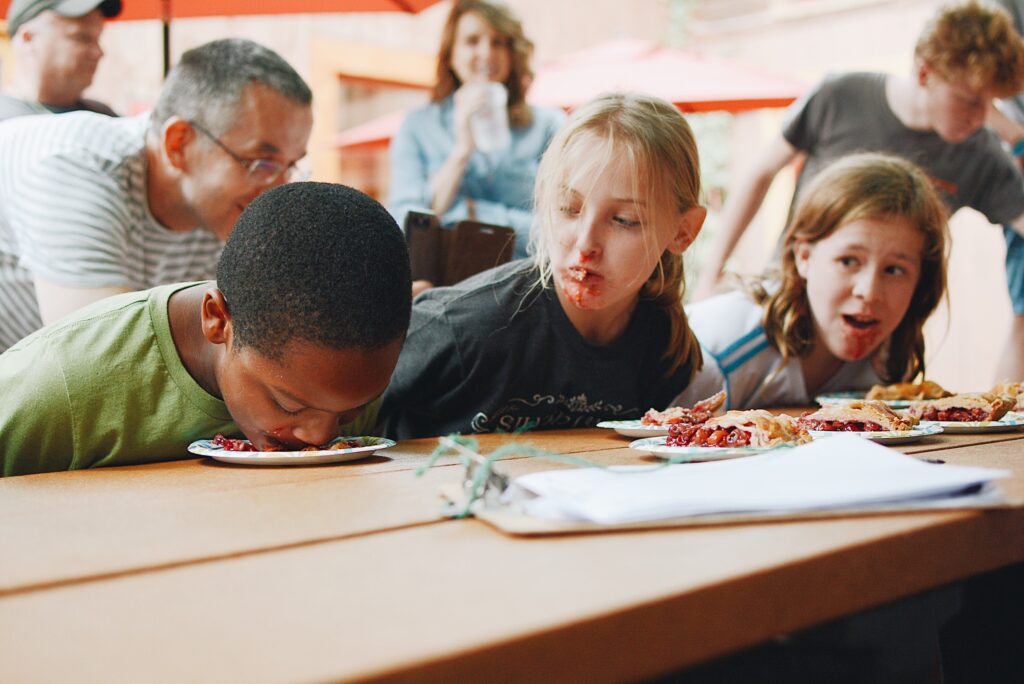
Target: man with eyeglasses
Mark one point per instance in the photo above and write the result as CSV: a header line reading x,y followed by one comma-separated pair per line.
x,y
56,49
92,206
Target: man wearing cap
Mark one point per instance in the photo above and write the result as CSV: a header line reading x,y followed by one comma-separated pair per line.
x,y
56,47
92,205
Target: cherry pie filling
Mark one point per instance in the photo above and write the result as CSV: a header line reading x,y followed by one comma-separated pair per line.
x,y
697,435
956,414
839,425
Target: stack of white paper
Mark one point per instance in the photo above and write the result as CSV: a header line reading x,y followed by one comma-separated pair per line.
x,y
839,472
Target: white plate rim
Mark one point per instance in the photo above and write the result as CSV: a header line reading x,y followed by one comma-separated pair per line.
x,y
885,437
655,446
202,447
633,428
1015,422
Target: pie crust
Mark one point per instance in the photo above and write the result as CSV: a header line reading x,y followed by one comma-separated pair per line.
x,y
756,428
1013,390
857,416
702,411
963,408
911,391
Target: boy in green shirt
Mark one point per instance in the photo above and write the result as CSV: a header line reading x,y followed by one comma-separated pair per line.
x,y
291,346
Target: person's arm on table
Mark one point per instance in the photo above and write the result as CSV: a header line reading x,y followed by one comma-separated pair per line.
x,y
57,301
741,206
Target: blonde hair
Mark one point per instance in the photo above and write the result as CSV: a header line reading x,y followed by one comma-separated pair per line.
x,y
977,44
655,141
502,20
857,187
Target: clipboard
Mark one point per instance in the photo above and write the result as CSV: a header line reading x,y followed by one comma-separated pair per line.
x,y
509,520
445,256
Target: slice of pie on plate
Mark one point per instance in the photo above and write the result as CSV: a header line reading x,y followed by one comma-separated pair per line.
x,y
702,411
857,416
755,428
963,408
911,391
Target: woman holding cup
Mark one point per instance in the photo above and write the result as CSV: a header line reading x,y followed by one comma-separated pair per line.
x,y
472,153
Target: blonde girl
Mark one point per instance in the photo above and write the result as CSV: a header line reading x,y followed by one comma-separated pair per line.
x,y
592,326
863,266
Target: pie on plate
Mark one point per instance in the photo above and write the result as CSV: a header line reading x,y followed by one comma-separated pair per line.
x,y
1013,390
755,428
338,451
972,407
856,416
702,411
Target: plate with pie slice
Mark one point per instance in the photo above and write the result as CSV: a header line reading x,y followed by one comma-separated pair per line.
x,y
1010,421
655,446
340,450
634,428
885,436
833,398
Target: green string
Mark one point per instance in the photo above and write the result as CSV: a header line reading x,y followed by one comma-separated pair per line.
x,y
477,485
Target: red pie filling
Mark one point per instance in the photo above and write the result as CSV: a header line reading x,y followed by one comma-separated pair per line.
x,y
697,435
956,414
839,425
228,444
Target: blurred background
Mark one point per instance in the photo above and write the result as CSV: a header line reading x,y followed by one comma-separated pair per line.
x,y
366,69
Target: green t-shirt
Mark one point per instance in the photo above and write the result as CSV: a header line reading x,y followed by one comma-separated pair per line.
x,y
105,386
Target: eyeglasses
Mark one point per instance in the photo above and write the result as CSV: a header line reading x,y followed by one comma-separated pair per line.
x,y
264,170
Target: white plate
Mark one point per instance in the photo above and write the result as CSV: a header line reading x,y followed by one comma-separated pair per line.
x,y
634,428
886,437
833,398
1011,421
656,447
370,445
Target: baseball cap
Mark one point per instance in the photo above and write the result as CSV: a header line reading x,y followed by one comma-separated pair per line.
x,y
21,11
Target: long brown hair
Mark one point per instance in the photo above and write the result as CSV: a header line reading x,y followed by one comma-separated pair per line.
x,y
862,186
502,20
654,138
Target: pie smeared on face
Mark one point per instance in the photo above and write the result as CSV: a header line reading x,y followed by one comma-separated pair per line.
x,y
755,428
963,408
908,391
857,416
702,411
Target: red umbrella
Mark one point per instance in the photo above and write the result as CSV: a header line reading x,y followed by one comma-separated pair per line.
x,y
165,10
692,81
695,82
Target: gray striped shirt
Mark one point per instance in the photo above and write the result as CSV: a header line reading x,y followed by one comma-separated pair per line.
x,y
73,211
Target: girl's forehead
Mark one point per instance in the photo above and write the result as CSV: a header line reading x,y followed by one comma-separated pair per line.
x,y
889,233
590,162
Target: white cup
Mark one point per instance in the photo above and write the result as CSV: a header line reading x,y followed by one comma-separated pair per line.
x,y
490,125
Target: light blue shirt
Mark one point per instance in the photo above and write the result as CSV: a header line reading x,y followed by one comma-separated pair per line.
x,y
501,187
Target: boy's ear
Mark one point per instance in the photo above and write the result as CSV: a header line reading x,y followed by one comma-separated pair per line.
x,y
801,256
177,135
216,319
687,228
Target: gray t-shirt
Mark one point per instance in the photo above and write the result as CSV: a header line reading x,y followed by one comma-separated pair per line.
x,y
11,107
850,113
74,211
494,353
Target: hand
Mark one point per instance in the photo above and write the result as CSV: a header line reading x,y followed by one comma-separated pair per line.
x,y
470,98
419,286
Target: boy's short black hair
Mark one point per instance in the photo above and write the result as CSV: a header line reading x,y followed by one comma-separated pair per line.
x,y
316,262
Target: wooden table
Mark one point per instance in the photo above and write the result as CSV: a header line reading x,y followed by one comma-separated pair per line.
x,y
193,571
